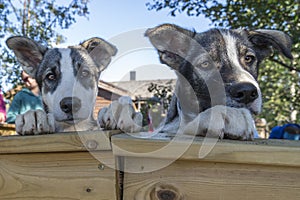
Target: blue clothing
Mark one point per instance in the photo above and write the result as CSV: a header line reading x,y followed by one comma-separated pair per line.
x,y
256,135
23,101
278,132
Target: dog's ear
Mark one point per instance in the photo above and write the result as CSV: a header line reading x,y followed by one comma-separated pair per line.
x,y
100,50
172,43
28,52
267,40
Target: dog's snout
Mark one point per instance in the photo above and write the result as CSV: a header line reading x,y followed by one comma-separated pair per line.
x,y
243,92
70,104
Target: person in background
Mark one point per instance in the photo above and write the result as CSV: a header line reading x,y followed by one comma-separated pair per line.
x,y
2,109
288,131
27,99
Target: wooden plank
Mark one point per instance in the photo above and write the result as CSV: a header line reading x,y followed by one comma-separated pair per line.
x,y
266,152
196,180
47,176
74,166
57,142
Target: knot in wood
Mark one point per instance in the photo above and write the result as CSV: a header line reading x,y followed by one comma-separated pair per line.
x,y
166,195
161,191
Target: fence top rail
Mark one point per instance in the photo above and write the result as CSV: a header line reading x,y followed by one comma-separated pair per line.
x,y
165,146
57,142
162,146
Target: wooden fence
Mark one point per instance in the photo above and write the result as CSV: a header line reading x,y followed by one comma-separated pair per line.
x,y
105,165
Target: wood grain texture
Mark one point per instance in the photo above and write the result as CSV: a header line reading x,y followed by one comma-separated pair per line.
x,y
73,166
264,152
195,180
233,170
57,142
64,176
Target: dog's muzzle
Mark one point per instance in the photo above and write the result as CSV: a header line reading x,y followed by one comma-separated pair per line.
x,y
70,105
243,92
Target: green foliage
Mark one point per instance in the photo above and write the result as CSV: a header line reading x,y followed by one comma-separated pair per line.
x,y
162,92
159,103
279,81
37,19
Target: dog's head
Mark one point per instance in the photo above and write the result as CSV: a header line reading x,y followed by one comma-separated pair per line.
x,y
67,77
232,55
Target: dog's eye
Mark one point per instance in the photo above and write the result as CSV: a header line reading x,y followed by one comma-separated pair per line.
x,y
205,64
51,77
85,73
249,59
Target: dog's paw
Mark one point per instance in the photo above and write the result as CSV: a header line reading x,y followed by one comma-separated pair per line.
x,y
35,122
120,115
223,122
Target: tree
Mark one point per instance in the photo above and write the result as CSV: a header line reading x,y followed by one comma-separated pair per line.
x,y
163,92
279,78
158,104
36,19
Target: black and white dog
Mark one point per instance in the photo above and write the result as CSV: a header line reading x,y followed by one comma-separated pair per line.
x,y
217,90
68,81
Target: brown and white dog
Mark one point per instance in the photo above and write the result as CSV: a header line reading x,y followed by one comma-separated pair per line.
x,y
217,90
68,81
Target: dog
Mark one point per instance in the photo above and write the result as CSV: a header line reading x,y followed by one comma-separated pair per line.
x,y
217,90
68,82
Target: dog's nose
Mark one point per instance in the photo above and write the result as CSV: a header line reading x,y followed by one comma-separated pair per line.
x,y
243,92
70,104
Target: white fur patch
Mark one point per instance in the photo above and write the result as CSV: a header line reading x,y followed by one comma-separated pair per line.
x,y
231,49
244,76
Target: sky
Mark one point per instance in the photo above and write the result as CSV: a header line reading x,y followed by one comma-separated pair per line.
x,y
123,24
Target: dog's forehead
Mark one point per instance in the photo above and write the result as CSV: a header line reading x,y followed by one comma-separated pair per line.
x,y
70,52
51,59
74,54
52,54
223,46
79,54
216,38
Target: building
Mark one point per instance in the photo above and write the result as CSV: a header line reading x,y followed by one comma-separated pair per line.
x,y
139,89
144,95
108,92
